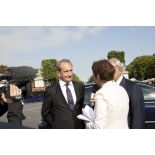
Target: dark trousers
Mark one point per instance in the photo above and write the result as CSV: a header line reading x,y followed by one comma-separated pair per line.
x,y
14,113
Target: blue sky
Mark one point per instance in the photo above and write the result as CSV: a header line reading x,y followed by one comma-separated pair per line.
x,y
29,45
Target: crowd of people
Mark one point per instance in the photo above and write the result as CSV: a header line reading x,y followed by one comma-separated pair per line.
x,y
115,102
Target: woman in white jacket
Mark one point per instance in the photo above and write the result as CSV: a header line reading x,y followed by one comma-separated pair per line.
x,y
111,100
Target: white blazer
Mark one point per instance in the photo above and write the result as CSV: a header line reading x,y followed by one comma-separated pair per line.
x,y
111,107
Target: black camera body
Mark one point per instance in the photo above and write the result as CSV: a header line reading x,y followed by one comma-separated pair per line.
x,y
21,77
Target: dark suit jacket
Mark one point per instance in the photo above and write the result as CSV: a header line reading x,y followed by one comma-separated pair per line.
x,y
56,111
136,117
3,109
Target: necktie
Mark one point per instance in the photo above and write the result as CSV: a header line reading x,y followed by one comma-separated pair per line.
x,y
69,97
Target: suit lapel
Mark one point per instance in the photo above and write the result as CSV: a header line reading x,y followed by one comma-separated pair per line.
x,y
122,83
59,91
61,94
76,92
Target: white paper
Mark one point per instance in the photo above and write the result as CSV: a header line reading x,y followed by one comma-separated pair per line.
x,y
82,117
88,114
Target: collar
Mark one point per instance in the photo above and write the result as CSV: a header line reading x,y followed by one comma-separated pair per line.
x,y
107,83
62,83
119,80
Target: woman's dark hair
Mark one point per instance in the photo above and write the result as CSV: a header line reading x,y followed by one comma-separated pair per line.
x,y
104,69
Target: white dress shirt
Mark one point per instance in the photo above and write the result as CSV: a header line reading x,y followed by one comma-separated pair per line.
x,y
70,86
111,107
119,80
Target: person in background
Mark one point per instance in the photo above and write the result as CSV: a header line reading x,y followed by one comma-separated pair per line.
x,y
111,100
63,100
136,116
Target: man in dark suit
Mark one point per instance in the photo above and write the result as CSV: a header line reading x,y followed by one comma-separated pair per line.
x,y
136,117
64,100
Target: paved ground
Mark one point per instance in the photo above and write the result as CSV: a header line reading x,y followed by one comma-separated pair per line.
x,y
32,113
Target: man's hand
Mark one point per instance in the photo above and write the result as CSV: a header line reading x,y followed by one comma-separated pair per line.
x,y
14,91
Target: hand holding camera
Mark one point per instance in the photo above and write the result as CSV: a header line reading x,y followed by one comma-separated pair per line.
x,y
14,81
15,92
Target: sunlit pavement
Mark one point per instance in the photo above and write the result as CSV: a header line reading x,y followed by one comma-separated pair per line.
x,y
32,111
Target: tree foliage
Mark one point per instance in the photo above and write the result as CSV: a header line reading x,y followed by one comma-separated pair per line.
x,y
120,55
142,67
3,68
49,70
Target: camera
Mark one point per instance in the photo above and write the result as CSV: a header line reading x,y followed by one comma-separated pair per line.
x,y
21,77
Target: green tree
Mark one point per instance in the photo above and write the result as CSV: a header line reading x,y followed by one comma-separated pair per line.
x,y
142,67
49,70
3,68
120,55
150,68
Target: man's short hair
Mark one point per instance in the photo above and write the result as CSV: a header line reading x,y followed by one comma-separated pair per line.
x,y
62,61
118,64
